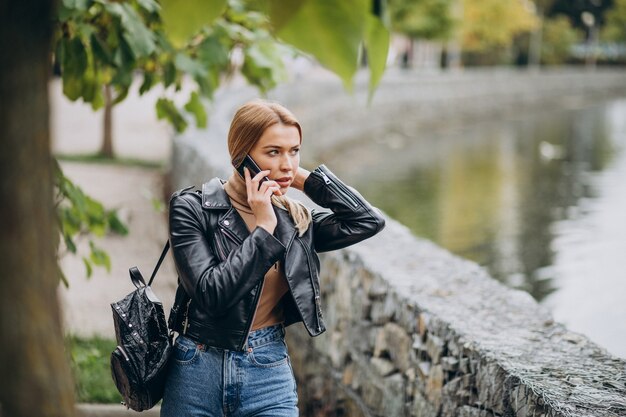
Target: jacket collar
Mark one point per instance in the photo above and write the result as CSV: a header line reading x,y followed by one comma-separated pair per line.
x,y
214,197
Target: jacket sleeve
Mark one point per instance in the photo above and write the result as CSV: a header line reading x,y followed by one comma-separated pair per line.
x,y
215,285
351,220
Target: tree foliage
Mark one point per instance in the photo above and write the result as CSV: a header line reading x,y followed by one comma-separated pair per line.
x,y
100,43
79,215
558,37
615,29
425,19
490,24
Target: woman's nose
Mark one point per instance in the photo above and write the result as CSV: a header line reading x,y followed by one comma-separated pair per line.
x,y
285,164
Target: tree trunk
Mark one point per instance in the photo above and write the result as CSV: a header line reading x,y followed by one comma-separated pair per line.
x,y
535,44
34,374
107,132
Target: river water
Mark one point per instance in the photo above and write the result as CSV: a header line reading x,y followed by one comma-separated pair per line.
x,y
538,199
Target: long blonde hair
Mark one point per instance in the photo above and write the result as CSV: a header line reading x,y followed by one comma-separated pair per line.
x,y
247,127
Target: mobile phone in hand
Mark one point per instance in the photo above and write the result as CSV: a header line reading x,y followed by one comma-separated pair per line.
x,y
253,168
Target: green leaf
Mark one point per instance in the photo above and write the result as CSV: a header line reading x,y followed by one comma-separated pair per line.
x,y
77,4
64,14
169,74
62,276
331,31
101,51
116,225
377,46
195,107
140,39
213,53
263,65
99,257
148,81
189,65
182,19
279,11
69,243
167,110
123,78
122,92
88,267
74,58
149,5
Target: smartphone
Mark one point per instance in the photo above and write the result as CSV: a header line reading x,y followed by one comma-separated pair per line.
x,y
254,169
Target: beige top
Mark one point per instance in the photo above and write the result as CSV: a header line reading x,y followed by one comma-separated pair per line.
x,y
270,309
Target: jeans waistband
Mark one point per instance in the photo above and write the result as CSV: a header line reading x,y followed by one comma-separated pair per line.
x,y
266,334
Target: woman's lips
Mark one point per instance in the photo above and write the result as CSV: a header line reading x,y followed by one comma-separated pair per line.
x,y
283,182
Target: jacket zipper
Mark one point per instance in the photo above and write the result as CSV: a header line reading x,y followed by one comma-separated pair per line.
x,y
186,321
231,236
338,190
220,249
244,345
315,291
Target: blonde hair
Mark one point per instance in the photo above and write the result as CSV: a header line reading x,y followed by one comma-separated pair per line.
x,y
247,127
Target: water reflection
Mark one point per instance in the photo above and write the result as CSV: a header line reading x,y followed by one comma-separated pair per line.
x,y
499,193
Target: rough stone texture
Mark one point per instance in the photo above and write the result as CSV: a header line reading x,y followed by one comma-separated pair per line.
x,y
460,343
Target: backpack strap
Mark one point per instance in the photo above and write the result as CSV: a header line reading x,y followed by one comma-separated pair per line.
x,y
135,276
158,265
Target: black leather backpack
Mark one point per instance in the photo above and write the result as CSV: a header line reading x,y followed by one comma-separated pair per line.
x,y
139,362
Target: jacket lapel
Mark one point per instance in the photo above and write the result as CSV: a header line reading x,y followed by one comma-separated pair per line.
x,y
285,229
214,197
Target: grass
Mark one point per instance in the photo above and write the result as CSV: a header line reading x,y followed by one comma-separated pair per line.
x,y
89,358
99,159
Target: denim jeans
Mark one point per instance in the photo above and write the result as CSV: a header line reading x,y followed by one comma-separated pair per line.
x,y
207,381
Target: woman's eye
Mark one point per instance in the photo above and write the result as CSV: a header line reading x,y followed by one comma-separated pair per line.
x,y
295,151
274,152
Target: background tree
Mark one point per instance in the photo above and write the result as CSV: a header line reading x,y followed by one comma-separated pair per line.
x,y
34,375
559,37
615,29
536,35
423,19
491,25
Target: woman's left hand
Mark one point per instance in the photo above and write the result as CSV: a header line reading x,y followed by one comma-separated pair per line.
x,y
301,176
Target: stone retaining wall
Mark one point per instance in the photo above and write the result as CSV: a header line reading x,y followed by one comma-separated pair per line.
x,y
412,329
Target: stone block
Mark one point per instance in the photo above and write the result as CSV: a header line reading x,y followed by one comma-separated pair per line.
x,y
490,383
406,316
423,369
468,411
382,367
459,391
383,311
378,290
398,345
450,364
394,395
373,395
434,347
421,407
434,386
423,320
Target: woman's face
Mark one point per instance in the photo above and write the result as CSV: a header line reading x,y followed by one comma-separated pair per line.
x,y
278,150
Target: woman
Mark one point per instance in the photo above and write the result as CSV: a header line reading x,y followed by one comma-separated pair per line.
x,y
248,268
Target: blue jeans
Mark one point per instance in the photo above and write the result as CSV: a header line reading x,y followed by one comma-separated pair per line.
x,y
211,382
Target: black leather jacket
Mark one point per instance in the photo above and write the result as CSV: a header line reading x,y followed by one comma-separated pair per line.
x,y
221,265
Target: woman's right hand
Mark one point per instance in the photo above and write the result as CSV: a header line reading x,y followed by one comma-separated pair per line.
x,y
259,199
